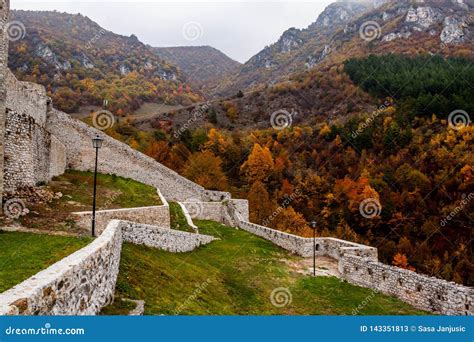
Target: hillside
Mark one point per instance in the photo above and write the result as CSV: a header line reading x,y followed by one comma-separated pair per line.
x,y
236,276
357,27
412,156
82,63
202,66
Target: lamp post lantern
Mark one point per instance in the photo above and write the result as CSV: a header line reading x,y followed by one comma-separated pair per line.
x,y
313,226
97,144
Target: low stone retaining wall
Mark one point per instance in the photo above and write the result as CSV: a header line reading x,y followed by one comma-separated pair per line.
x,y
84,282
421,291
157,216
167,239
80,284
292,243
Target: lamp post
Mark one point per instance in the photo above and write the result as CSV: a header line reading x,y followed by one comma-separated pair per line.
x,y
96,143
313,226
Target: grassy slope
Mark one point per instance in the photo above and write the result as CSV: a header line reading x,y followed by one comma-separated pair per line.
x,y
113,192
236,275
77,188
178,220
23,255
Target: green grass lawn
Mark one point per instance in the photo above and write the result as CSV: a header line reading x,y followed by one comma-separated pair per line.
x,y
178,220
23,255
236,276
113,192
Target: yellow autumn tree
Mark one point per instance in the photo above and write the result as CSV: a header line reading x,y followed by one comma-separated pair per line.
x,y
216,142
259,203
259,164
205,169
290,221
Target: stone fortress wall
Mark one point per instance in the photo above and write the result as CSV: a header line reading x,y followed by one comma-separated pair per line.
x,y
84,282
358,264
4,16
31,154
120,159
40,142
154,215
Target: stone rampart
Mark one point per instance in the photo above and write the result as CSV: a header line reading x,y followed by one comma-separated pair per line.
x,y
26,98
421,291
4,16
32,155
57,158
80,284
84,282
170,240
358,264
120,159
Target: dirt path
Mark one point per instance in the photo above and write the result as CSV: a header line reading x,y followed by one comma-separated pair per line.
x,y
325,266
21,229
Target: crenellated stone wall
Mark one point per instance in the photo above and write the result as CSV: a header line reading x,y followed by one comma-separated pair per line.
x,y
84,282
421,291
332,247
359,265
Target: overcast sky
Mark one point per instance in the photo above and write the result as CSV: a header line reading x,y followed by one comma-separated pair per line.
x,y
238,28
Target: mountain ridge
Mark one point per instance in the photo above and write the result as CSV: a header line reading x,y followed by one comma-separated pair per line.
x,y
300,50
80,63
203,66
